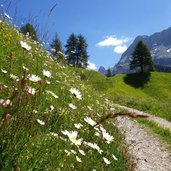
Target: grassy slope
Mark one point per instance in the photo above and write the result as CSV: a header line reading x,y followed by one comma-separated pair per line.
x,y
154,96
24,142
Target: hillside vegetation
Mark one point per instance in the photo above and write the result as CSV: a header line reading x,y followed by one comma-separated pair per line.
x,y
47,112
149,92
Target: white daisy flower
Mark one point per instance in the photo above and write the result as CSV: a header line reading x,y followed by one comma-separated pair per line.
x,y
78,126
114,157
89,108
78,159
40,122
68,153
52,107
25,45
48,82
76,93
94,146
106,161
34,78
73,152
3,71
72,135
53,94
72,106
82,152
106,135
25,68
14,77
46,73
90,121
54,134
32,91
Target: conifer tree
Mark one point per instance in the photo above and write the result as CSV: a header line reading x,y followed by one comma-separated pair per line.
x,y
82,55
56,48
141,58
76,51
71,49
109,72
29,29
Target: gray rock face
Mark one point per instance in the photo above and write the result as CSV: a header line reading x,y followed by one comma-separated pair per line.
x,y
159,45
102,70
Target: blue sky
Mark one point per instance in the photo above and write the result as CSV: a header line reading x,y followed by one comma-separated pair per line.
x,y
109,26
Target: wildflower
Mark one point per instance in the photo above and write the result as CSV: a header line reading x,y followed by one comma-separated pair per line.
x,y
54,134
73,137
5,103
114,157
34,78
48,82
89,108
106,160
14,77
46,73
106,135
3,71
78,159
90,121
97,134
94,146
68,153
25,68
53,94
51,107
0,21
73,151
72,106
31,90
76,93
82,152
25,45
78,126
40,122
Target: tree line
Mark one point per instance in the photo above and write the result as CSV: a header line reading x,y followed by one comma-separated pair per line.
x,y
75,53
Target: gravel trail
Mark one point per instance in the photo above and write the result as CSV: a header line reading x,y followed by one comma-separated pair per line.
x,y
160,121
149,153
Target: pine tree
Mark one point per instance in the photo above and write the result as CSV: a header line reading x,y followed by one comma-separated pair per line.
x,y
76,51
109,72
56,48
29,29
141,58
71,49
82,55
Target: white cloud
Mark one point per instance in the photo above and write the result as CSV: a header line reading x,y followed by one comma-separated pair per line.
x,y
91,66
120,49
112,41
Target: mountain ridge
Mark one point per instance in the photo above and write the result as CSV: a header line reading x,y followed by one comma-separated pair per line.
x,y
159,44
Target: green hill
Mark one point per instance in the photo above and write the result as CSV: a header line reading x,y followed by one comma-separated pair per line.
x,y
147,92
47,110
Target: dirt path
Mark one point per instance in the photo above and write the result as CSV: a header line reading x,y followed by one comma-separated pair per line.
x,y
149,153
161,122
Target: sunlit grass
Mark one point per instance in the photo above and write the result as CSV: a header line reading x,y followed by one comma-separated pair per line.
x,y
153,97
